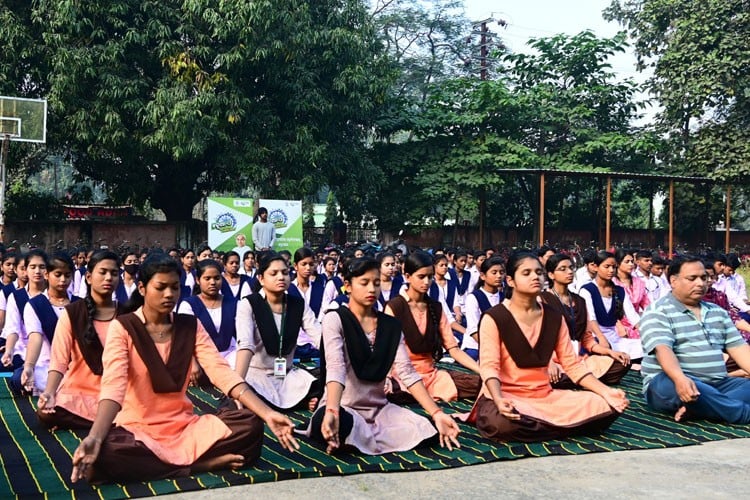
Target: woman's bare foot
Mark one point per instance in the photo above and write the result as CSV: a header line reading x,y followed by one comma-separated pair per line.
x,y
680,415
312,404
228,461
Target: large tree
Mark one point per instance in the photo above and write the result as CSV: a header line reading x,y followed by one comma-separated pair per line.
x,y
165,101
697,52
560,108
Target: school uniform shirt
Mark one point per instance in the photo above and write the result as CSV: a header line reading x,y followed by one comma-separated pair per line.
x,y
655,288
229,354
318,288
462,288
440,293
78,278
239,290
14,321
580,278
737,283
397,286
473,314
331,291
734,299
33,324
284,392
474,279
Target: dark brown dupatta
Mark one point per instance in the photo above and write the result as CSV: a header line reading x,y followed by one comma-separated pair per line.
x,y
516,342
169,376
91,349
431,342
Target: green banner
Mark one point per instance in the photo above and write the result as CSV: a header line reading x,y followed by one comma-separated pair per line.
x,y
230,220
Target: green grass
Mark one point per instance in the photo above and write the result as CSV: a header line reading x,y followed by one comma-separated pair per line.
x,y
744,271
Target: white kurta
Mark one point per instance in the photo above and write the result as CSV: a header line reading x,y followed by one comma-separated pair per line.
x,y
285,392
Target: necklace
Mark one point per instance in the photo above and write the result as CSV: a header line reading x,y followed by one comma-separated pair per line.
x,y
570,306
162,334
59,300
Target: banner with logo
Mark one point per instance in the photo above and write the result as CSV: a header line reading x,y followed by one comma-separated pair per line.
x,y
230,220
286,216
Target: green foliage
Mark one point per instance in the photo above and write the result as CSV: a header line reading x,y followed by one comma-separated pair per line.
x,y
165,101
560,108
701,76
27,203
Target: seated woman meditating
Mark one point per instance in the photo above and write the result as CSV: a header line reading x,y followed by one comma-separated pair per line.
x,y
268,324
427,333
606,364
516,344
146,368
360,347
71,396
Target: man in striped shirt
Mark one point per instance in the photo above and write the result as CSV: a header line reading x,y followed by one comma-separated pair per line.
x,y
683,339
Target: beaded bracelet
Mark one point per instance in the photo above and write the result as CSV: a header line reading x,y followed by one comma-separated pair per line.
x,y
335,411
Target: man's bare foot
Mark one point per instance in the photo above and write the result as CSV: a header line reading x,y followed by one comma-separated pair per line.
x,y
680,415
228,461
312,404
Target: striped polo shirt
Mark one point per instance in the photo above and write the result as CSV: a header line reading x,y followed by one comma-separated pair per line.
x,y
698,345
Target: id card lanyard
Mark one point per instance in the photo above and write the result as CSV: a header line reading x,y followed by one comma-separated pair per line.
x,y
279,364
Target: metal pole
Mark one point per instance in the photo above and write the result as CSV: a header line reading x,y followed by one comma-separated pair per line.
x,y
608,216
482,192
728,224
671,218
541,209
3,158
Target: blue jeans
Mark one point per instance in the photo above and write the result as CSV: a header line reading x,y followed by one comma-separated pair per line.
x,y
727,400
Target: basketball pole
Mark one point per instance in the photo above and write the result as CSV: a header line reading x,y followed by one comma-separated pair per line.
x,y
3,157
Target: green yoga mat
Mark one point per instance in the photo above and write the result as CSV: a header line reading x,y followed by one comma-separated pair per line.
x,y
37,462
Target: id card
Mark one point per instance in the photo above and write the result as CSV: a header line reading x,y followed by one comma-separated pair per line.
x,y
279,367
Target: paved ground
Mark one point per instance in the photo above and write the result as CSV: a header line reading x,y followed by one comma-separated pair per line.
x,y
713,470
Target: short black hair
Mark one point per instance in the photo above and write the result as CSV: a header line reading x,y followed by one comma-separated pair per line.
x,y
676,265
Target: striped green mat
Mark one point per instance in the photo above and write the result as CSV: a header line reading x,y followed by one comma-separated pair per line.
x,y
37,463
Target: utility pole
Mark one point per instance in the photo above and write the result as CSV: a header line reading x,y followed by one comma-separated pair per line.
x,y
483,53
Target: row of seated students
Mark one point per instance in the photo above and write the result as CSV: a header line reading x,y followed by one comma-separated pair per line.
x,y
124,375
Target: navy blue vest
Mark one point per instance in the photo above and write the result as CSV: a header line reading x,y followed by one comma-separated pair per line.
x,y
450,294
120,293
604,317
397,283
226,288
463,283
484,302
185,291
223,337
46,314
317,288
8,289
22,297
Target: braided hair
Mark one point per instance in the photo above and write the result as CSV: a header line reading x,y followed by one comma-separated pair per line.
x,y
101,255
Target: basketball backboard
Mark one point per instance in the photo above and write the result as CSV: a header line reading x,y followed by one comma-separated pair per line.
x,y
23,120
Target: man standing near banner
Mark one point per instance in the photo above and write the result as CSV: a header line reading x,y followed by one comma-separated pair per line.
x,y
264,233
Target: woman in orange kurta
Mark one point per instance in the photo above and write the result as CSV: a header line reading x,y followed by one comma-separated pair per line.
x,y
516,344
427,332
72,393
146,361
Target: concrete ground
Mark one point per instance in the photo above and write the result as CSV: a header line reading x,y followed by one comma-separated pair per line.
x,y
713,470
